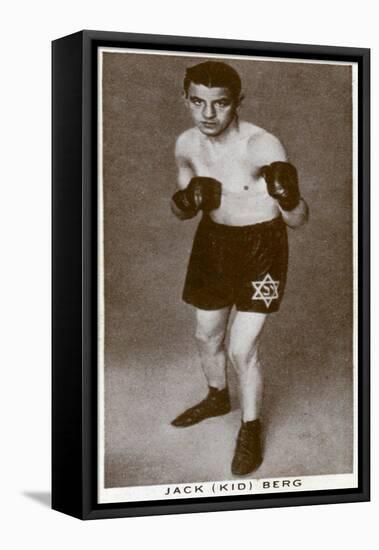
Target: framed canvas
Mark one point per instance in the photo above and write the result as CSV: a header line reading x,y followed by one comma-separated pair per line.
x,y
210,274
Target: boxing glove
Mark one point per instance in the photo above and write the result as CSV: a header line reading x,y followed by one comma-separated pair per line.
x,y
282,183
200,194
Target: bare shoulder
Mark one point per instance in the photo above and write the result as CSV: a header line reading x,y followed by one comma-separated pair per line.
x,y
265,147
185,143
249,130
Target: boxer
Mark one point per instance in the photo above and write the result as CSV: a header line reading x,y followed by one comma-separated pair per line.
x,y
237,177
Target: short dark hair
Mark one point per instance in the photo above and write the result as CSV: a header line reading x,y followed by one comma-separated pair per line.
x,y
214,74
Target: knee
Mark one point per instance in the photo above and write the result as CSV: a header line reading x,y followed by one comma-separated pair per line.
x,y
212,341
243,358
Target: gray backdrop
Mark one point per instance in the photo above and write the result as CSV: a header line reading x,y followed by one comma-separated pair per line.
x,y
152,371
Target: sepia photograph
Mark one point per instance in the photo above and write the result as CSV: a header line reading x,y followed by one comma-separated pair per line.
x,y
227,275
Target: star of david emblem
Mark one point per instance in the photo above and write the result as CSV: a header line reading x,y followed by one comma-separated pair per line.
x,y
266,290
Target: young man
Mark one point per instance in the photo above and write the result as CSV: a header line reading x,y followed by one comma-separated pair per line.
x,y
238,176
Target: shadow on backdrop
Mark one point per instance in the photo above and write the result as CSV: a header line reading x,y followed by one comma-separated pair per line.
x,y
42,497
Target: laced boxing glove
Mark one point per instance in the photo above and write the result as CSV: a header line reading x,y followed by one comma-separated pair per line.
x,y
282,183
200,194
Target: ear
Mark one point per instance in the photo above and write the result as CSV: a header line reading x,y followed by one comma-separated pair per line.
x,y
185,99
240,102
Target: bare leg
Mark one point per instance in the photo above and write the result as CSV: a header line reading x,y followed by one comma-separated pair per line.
x,y
243,353
210,335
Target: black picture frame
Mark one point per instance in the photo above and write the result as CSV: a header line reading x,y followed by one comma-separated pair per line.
x,y
74,272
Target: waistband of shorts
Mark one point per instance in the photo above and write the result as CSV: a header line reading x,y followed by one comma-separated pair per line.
x,y
231,229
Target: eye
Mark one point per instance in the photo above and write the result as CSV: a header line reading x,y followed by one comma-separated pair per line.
x,y
195,100
223,103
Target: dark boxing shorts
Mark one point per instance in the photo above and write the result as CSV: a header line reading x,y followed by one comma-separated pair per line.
x,y
245,266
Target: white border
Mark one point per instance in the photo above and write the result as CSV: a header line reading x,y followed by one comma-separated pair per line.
x,y
253,486
260,486
224,56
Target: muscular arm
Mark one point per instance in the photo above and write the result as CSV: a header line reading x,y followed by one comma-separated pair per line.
x,y
185,173
296,217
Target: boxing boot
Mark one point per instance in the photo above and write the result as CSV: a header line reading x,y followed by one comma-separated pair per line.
x,y
248,451
216,403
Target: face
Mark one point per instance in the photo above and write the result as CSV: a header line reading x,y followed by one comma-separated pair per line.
x,y
212,109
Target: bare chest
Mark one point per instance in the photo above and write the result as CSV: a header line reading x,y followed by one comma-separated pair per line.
x,y
233,166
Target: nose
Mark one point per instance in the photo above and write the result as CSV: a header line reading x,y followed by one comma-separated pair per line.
x,y
209,111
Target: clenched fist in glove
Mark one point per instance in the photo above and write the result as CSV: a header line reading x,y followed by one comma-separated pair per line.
x,y
200,194
282,183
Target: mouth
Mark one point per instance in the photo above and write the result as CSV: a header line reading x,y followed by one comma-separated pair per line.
x,y
209,124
